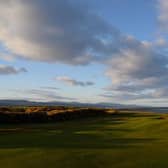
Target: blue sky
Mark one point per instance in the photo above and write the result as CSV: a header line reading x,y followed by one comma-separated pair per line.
x,y
87,51
138,18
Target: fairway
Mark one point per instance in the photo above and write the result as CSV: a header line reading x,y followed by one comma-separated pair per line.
x,y
124,140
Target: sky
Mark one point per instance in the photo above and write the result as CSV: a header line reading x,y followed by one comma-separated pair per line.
x,y
84,50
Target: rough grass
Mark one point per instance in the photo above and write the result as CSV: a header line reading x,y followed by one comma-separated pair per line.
x,y
125,140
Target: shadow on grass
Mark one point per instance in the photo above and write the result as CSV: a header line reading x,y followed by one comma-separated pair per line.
x,y
77,143
97,133
91,139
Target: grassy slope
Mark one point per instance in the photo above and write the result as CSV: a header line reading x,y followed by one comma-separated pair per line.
x,y
126,140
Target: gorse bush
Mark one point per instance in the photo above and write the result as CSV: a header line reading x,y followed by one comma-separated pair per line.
x,y
48,114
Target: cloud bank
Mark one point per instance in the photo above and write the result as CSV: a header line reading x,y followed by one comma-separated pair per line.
x,y
63,31
137,71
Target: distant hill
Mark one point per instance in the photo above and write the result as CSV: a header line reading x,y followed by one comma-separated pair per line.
x,y
77,104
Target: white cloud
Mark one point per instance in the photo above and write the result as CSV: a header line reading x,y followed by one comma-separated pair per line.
x,y
137,71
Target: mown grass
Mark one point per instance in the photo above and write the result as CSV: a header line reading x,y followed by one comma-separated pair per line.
x,y
124,140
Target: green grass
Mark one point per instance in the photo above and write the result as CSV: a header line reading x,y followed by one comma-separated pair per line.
x,y
122,141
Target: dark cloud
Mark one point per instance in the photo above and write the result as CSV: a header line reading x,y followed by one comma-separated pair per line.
x,y
50,88
148,94
10,70
74,82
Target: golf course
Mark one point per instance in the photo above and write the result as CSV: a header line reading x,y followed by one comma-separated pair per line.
x,y
123,140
